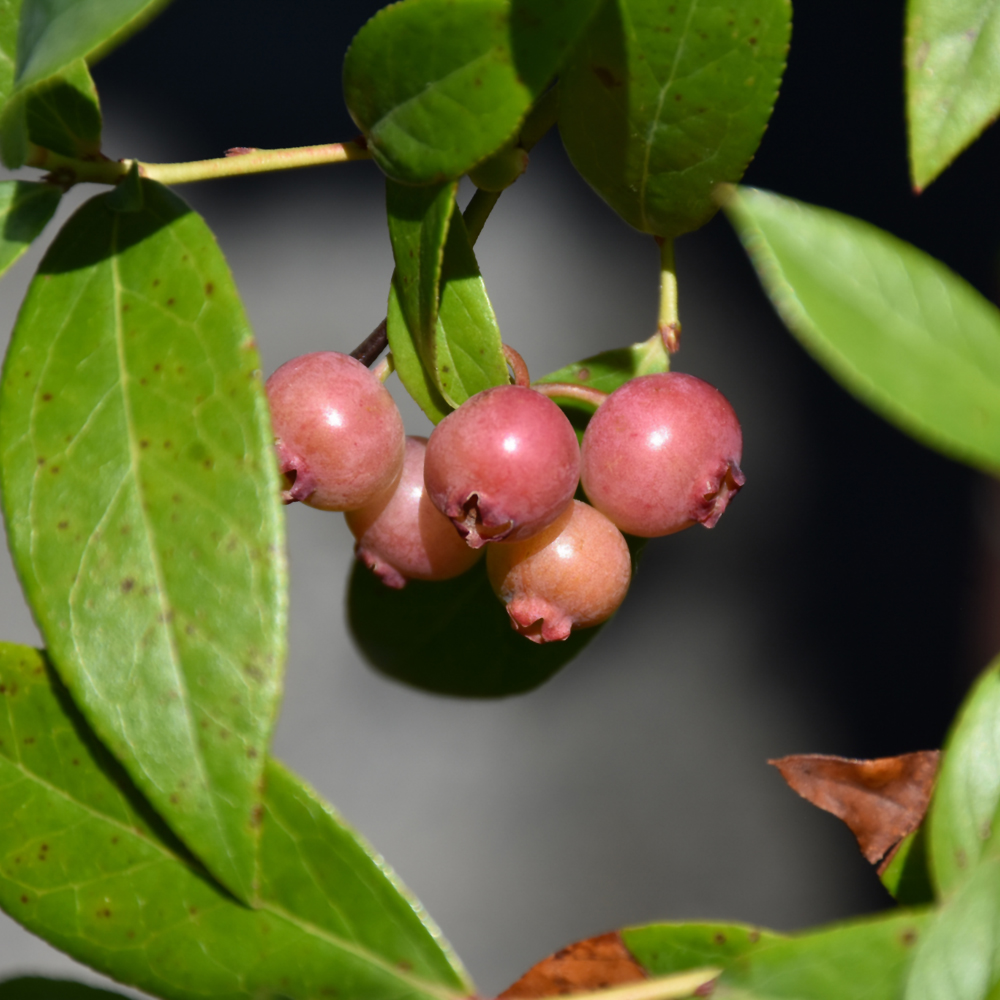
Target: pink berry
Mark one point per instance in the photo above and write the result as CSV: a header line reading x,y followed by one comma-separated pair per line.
x,y
339,435
403,536
503,465
661,453
573,574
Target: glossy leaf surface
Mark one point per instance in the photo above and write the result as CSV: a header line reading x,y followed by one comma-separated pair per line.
x,y
25,209
897,328
141,496
867,958
663,949
88,866
63,113
952,79
959,956
54,33
452,637
660,103
37,988
437,86
967,797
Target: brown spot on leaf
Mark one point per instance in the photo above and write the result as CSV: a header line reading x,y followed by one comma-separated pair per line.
x,y
62,525
127,585
55,470
170,301
209,288
753,937
719,937
24,899
29,740
41,460
46,396
583,967
174,799
908,937
607,78
257,816
156,282
882,801
252,752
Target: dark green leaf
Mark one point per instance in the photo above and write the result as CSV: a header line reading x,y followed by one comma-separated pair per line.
x,y
660,103
967,794
64,115
437,86
663,949
85,864
867,958
141,496
959,956
452,637
129,194
907,876
54,33
25,208
952,79
897,328
419,218
37,988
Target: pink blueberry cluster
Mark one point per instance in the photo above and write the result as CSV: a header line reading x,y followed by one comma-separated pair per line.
x,y
661,453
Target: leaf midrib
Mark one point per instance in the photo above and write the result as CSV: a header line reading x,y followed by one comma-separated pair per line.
x,y
134,464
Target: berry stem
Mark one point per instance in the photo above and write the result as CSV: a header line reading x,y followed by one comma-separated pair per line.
x,y
384,368
670,324
67,171
567,390
517,366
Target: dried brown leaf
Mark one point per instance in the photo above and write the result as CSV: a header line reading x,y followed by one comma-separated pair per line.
x,y
589,965
882,801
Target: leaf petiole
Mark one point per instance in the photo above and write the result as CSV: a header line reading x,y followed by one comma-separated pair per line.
x,y
670,324
66,171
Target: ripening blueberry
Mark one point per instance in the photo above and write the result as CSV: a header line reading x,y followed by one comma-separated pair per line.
x,y
503,465
572,574
338,433
402,536
662,453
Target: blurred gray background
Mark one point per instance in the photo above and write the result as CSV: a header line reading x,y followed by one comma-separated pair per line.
x,y
842,605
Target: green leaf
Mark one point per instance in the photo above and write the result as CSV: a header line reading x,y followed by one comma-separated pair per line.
x,y
897,328
318,870
610,369
440,324
663,949
468,351
959,956
37,988
866,958
64,115
907,877
437,86
419,218
660,103
54,33
25,209
452,637
408,364
967,791
141,496
85,864
952,79
10,11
